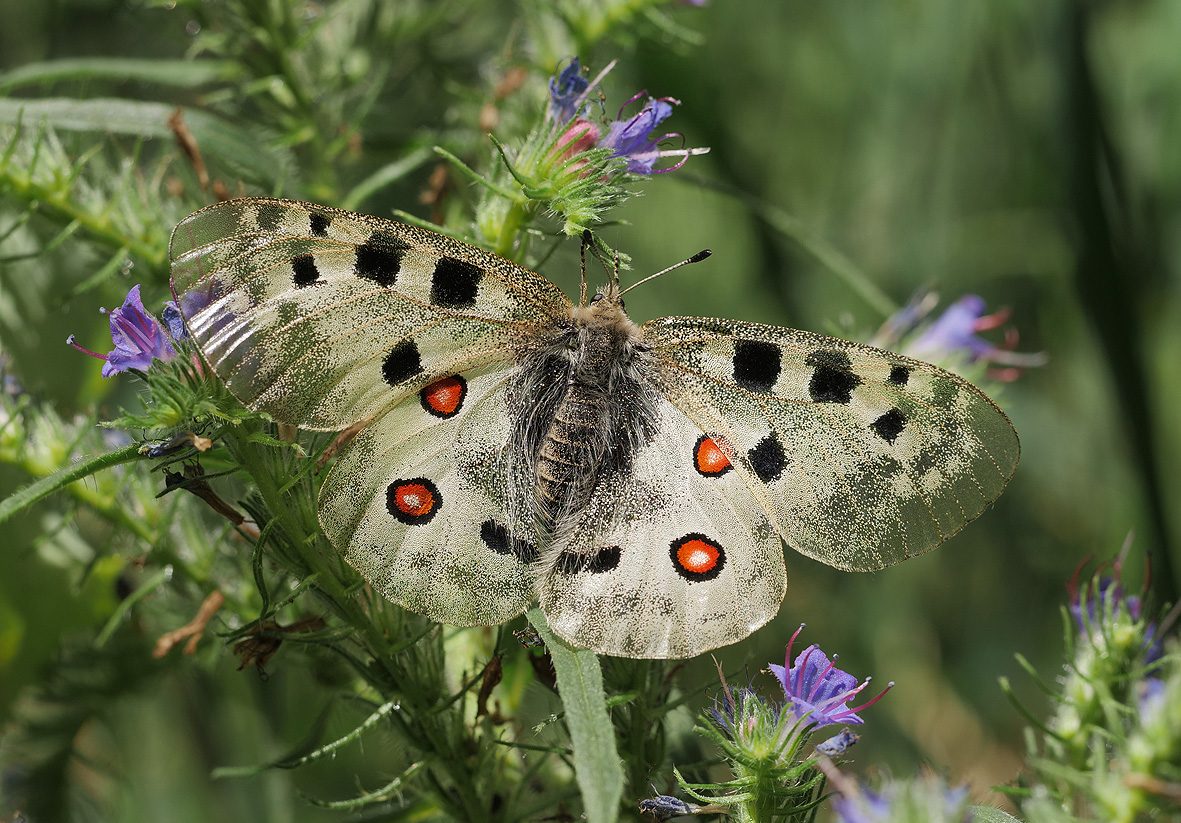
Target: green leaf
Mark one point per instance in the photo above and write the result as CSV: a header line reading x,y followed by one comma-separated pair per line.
x,y
185,74
46,486
580,685
245,153
989,814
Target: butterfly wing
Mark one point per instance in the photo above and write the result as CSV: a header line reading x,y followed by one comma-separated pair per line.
x,y
671,558
323,318
416,503
861,457
326,319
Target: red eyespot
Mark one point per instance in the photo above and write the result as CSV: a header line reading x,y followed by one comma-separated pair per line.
x,y
709,459
696,557
413,502
444,398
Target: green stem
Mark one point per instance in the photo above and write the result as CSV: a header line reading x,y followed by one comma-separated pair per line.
x,y
57,204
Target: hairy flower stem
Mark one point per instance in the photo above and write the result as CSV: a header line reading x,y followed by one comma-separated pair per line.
x,y
59,205
397,672
511,230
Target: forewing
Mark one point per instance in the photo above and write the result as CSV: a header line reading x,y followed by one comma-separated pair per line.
x,y
861,457
416,504
323,318
671,558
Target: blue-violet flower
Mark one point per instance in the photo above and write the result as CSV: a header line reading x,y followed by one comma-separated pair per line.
x,y
137,335
567,90
817,691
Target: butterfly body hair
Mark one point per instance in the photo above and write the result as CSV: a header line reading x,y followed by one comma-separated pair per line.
x,y
584,404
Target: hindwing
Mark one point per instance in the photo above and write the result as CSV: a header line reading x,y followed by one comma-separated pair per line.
x,y
416,502
670,558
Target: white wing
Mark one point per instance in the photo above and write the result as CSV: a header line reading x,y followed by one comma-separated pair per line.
x,y
323,318
861,457
416,503
671,560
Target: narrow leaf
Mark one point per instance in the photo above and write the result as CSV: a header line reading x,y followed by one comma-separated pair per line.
x,y
596,762
60,479
185,74
244,152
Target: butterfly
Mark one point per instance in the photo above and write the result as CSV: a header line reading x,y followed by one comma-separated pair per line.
x,y
637,481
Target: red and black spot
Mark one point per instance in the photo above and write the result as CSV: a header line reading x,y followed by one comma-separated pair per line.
x,y
697,558
306,273
413,502
402,363
756,364
833,379
709,459
454,284
444,398
380,258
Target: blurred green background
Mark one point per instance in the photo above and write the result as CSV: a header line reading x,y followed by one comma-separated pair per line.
x,y
1023,151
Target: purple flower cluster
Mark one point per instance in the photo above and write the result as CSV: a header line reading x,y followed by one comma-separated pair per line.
x,y
139,338
628,137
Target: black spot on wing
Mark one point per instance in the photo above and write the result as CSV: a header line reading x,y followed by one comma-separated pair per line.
x,y
319,224
756,364
602,560
833,379
889,425
455,283
269,216
768,459
899,375
380,258
402,363
306,273
496,537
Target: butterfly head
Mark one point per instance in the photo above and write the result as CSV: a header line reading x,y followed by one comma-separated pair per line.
x,y
605,310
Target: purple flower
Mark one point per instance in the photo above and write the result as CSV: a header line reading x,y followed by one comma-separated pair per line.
x,y
956,333
817,690
631,138
138,337
567,90
1151,700
174,321
956,330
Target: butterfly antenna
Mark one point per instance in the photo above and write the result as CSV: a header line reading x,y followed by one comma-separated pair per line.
x,y
587,239
615,273
697,258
